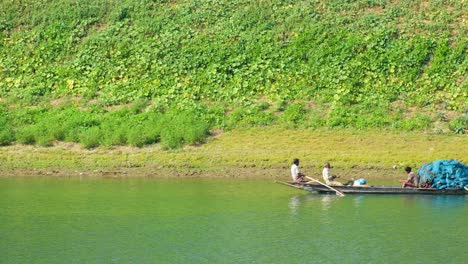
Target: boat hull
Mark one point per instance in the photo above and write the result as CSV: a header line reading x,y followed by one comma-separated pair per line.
x,y
379,190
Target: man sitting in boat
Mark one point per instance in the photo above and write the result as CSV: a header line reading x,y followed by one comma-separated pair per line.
x,y
412,180
328,177
295,174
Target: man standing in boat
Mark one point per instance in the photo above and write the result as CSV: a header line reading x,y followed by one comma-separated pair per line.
x,y
295,174
328,177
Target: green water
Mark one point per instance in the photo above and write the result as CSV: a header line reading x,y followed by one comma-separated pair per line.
x,y
52,220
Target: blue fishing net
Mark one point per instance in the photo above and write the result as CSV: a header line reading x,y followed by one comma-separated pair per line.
x,y
443,174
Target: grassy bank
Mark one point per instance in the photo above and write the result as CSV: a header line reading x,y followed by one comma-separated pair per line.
x,y
143,87
364,64
249,153
140,124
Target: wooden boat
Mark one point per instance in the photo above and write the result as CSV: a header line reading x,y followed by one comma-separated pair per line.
x,y
375,189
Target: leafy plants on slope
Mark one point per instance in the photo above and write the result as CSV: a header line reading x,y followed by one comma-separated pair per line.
x,y
351,60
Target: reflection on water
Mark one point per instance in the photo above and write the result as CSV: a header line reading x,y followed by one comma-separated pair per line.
x,y
358,200
294,203
443,201
327,201
435,201
297,201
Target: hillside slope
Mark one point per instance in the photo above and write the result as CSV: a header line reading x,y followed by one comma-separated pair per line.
x,y
335,63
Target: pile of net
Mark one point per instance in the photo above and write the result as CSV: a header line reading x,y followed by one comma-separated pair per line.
x,y
443,174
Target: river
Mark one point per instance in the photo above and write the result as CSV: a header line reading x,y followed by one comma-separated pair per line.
x,y
68,220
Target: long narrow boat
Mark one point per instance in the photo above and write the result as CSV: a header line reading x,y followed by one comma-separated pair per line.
x,y
376,189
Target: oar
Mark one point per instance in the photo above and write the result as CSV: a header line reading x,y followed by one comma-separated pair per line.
x,y
291,185
329,187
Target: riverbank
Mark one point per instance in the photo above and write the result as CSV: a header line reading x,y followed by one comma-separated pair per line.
x,y
251,153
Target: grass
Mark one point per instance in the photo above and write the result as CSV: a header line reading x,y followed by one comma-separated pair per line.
x,y
99,127
361,64
160,75
246,153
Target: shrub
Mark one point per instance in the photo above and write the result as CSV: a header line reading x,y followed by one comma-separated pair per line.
x,y
417,122
195,133
7,136
459,125
341,117
91,137
372,117
152,130
26,135
253,115
294,115
136,137
315,119
44,140
184,127
114,132
171,139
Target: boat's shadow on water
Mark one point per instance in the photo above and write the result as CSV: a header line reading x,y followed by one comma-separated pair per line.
x,y
328,201
443,201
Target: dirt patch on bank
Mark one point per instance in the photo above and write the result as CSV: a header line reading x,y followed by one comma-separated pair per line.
x,y
215,172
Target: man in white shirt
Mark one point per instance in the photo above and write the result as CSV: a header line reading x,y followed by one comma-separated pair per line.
x,y
295,174
328,177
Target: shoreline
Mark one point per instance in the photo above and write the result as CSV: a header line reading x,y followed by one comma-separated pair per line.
x,y
263,153
220,173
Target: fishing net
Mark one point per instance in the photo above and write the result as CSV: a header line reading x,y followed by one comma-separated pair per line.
x,y
443,174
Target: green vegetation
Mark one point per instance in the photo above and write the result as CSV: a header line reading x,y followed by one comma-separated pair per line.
x,y
261,152
95,127
137,72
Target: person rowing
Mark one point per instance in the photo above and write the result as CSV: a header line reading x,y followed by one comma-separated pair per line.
x,y
328,177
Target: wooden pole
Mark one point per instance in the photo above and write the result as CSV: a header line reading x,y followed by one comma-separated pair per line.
x,y
291,185
329,187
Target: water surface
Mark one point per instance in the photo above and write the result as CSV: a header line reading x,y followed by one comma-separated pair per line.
x,y
59,220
